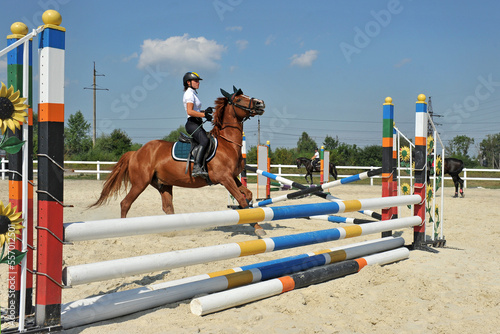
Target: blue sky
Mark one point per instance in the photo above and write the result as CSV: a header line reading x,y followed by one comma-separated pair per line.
x,y
323,67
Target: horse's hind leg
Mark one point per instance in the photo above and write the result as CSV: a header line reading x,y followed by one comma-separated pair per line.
x,y
132,195
461,186
455,183
166,199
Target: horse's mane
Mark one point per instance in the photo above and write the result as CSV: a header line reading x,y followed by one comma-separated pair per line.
x,y
218,117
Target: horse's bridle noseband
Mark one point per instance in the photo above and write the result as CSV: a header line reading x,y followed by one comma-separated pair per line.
x,y
250,109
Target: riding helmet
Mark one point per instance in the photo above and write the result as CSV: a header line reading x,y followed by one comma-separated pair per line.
x,y
190,76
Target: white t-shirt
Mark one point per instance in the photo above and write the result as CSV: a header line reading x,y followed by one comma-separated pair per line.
x,y
316,155
190,96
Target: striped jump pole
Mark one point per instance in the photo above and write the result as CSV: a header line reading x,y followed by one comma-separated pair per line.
x,y
324,186
99,271
320,194
420,168
121,227
337,219
245,294
112,305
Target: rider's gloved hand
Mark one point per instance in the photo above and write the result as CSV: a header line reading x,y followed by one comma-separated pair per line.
x,y
208,116
208,113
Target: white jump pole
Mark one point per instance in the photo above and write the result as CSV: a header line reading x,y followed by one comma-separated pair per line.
x,y
249,293
112,228
112,305
99,271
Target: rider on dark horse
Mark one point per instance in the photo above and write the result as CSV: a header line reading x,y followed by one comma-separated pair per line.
x,y
194,124
315,158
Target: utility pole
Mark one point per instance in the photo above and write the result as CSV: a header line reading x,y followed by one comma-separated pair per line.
x,y
431,113
258,130
95,88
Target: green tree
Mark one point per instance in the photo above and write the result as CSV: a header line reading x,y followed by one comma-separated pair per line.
x,y
345,155
282,156
459,146
330,143
489,151
306,145
174,135
76,135
111,146
252,155
370,156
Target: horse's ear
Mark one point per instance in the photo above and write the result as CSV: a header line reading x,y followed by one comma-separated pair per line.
x,y
226,94
237,91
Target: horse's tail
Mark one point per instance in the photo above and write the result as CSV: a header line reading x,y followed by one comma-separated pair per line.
x,y
118,175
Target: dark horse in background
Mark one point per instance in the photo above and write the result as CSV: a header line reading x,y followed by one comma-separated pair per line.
x,y
454,167
310,168
154,165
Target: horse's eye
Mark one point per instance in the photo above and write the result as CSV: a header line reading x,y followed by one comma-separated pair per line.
x,y
238,100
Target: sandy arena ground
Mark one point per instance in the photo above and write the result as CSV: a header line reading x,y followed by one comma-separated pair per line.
x,y
455,290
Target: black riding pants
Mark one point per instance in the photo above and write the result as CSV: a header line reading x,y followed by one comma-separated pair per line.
x,y
195,129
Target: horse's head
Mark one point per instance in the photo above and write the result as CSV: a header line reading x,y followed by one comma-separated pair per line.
x,y
245,107
299,162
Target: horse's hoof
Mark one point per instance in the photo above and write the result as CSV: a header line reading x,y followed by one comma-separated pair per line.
x,y
259,231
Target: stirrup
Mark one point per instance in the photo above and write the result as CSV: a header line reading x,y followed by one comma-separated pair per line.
x,y
198,171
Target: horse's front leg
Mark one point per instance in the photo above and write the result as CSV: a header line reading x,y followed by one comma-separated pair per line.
x,y
244,190
231,186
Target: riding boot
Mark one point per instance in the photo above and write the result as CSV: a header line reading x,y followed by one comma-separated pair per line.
x,y
198,169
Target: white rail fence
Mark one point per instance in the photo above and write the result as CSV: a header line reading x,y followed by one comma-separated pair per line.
x,y
99,170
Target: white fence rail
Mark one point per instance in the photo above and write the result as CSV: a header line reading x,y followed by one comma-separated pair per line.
x,y
99,171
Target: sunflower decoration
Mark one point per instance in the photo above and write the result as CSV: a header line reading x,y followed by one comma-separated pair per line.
x,y
12,109
405,189
439,165
10,225
430,143
430,193
405,153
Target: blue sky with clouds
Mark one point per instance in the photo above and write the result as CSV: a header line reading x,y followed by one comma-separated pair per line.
x,y
323,67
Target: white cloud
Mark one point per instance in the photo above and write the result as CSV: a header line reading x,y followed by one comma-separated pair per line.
x,y
270,39
179,54
129,58
403,62
234,28
242,44
304,60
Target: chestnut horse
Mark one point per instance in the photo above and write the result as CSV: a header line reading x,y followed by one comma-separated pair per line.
x,y
154,165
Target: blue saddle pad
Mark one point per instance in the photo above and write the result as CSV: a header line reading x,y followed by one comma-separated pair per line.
x,y
180,150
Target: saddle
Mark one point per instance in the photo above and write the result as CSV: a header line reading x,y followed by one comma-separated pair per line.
x,y
186,147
